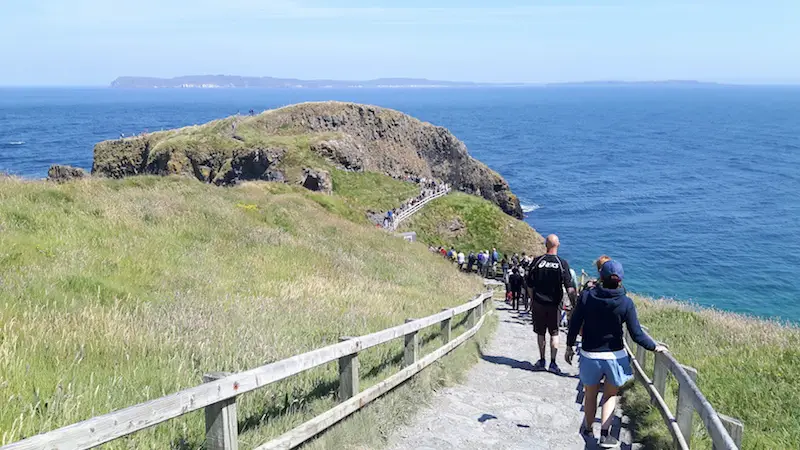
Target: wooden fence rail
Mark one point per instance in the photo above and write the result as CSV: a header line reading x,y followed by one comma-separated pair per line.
x,y
217,395
725,432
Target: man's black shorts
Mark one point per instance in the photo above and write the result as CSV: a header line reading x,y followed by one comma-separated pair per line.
x,y
545,318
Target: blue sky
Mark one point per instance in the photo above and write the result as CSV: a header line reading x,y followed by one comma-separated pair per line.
x,y
91,42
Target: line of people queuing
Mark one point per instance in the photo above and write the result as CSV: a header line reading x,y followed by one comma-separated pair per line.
x,y
428,188
484,263
601,308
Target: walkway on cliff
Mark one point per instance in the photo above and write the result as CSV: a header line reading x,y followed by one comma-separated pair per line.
x,y
414,205
504,404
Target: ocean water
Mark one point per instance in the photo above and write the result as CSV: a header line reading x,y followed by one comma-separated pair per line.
x,y
695,189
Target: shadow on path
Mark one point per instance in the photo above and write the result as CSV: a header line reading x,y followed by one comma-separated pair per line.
x,y
516,364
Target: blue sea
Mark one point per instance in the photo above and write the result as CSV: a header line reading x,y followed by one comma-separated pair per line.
x,y
695,189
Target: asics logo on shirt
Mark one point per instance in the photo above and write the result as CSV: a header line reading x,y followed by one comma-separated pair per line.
x,y
549,265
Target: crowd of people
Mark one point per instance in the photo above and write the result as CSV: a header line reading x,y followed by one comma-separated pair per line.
x,y
484,263
594,310
428,188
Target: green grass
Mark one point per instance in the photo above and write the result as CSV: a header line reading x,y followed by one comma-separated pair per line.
x,y
747,368
372,191
471,223
114,292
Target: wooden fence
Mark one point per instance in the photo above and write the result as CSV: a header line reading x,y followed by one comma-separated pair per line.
x,y
217,395
725,432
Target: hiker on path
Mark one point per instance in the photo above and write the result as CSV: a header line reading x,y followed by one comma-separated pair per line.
x,y
548,274
460,259
487,263
601,311
481,258
505,267
599,264
470,261
515,282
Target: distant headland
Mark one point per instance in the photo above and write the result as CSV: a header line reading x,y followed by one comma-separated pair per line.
x,y
233,81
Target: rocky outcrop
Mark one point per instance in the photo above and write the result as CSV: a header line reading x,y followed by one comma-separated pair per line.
x,y
317,180
60,174
277,144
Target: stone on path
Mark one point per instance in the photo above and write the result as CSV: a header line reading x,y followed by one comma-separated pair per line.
x,y
503,404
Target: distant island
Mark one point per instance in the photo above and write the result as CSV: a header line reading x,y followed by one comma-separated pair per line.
x,y
233,81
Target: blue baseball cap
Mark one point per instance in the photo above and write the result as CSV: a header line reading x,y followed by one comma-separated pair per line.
x,y
611,268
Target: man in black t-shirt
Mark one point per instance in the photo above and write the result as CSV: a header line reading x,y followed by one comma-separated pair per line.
x,y
548,276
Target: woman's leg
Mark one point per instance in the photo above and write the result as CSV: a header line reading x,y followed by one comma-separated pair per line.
x,y
609,403
590,404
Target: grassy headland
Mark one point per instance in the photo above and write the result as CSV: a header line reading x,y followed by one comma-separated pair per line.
x,y
748,368
114,292
472,223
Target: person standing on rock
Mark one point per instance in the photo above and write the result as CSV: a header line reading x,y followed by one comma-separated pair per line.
x,y
548,277
601,311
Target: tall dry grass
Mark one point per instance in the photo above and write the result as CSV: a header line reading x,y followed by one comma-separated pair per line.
x,y
116,292
748,368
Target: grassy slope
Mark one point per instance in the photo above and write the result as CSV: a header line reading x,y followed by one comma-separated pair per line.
x,y
748,368
115,292
371,191
484,226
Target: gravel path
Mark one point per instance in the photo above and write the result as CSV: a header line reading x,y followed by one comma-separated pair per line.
x,y
504,404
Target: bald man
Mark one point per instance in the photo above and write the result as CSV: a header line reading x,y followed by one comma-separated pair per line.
x,y
549,275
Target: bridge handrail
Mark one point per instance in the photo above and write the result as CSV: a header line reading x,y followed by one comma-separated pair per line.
x,y
218,394
406,213
725,432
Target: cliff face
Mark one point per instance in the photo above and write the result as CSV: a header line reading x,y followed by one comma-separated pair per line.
x,y
274,144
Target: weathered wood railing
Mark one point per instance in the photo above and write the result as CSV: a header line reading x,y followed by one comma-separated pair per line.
x,y
725,432
219,391
406,213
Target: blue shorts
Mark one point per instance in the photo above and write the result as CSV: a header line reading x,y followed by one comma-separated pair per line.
x,y
616,371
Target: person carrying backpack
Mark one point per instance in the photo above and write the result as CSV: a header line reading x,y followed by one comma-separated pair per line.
x,y
548,277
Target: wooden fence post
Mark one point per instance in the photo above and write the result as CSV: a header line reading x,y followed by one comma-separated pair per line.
x,y
685,409
641,356
471,318
660,372
411,347
222,427
735,428
348,374
447,329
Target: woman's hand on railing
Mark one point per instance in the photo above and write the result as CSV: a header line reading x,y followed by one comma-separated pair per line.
x,y
661,348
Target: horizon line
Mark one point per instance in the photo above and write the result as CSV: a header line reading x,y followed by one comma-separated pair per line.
x,y
463,84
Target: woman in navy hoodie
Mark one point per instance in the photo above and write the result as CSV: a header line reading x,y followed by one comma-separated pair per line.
x,y
601,311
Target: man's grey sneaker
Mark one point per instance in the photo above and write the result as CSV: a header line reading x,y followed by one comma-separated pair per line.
x,y
554,367
539,365
608,442
586,432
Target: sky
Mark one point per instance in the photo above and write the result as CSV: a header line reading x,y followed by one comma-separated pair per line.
x,y
91,42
